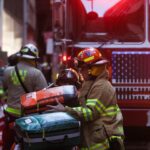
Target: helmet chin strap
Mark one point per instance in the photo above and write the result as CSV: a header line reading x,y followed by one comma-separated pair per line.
x,y
90,76
94,72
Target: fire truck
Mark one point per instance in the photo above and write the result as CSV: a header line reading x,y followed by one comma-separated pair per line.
x,y
120,29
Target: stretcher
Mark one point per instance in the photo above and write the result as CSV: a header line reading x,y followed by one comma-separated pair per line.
x,y
37,101
48,131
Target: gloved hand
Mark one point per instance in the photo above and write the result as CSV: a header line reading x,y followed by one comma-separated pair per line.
x,y
59,107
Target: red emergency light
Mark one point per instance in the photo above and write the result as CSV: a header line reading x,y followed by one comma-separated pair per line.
x,y
66,58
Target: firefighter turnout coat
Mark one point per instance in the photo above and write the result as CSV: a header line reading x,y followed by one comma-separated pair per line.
x,y
99,113
32,78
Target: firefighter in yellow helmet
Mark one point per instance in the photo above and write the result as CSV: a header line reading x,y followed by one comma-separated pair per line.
x,y
100,116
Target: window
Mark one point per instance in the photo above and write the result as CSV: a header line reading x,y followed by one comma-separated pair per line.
x,y
115,20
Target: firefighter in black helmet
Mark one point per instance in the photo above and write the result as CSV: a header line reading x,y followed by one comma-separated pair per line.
x,y
69,76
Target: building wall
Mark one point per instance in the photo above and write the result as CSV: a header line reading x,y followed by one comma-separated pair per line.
x,y
31,21
12,26
18,24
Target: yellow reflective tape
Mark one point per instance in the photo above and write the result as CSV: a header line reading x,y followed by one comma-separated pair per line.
x,y
23,74
84,114
96,101
109,114
88,114
118,137
97,108
82,110
88,59
13,111
118,109
111,107
1,91
91,100
115,107
77,108
101,146
112,110
14,78
101,104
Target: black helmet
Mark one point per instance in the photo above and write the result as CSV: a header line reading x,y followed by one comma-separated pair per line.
x,y
68,76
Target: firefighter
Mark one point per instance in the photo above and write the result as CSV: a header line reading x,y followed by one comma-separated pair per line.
x,y
100,116
33,80
69,76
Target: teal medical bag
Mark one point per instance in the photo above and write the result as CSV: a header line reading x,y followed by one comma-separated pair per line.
x,y
48,131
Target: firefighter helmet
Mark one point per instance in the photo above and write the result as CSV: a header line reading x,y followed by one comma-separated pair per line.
x,y
68,76
29,51
91,56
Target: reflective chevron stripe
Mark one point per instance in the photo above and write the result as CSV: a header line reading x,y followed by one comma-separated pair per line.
x,y
101,109
101,146
14,111
86,112
111,111
95,103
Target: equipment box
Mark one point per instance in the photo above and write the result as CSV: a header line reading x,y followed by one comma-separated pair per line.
x,y
50,130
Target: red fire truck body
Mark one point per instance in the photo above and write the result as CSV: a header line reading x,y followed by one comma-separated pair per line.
x,y
120,29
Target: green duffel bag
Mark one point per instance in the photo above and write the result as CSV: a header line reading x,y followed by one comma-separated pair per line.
x,y
48,131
